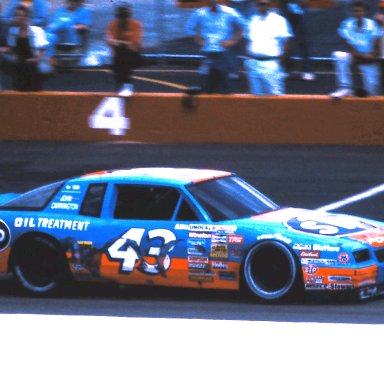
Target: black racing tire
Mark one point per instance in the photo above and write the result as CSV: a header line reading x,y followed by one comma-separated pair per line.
x,y
271,271
38,266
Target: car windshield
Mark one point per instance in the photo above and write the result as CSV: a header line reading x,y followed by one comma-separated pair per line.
x,y
230,198
36,199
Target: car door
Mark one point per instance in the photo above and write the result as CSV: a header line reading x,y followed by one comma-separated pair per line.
x,y
148,245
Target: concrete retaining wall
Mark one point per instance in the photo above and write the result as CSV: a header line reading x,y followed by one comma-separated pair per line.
x,y
162,118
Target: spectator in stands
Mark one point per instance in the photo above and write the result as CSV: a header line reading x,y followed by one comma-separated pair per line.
x,y
379,17
3,46
361,36
246,9
70,26
38,11
27,44
296,13
269,38
124,35
216,28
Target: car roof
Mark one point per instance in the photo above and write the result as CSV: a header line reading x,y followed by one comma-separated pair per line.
x,y
174,176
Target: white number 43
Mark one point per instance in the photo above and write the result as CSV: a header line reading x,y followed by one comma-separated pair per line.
x,y
126,249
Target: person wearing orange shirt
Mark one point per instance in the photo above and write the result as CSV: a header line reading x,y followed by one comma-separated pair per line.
x,y
124,36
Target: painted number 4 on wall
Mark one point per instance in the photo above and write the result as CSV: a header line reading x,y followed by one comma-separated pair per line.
x,y
110,114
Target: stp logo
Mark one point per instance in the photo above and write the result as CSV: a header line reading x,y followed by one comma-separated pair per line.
x,y
310,269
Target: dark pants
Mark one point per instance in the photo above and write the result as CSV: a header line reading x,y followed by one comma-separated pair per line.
x,y
26,77
299,29
217,78
124,61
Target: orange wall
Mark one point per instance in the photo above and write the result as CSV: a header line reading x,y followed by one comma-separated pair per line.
x,y
161,118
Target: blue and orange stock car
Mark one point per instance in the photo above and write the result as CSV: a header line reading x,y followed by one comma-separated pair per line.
x,y
183,228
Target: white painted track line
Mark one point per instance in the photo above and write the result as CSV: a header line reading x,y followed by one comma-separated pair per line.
x,y
353,199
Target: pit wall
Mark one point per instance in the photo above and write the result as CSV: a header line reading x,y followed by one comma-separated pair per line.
x,y
166,118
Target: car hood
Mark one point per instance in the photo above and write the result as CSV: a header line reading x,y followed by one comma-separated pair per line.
x,y
322,224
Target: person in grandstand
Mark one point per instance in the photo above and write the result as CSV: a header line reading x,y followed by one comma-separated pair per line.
x,y
27,46
216,29
70,25
361,36
269,36
379,18
295,11
124,36
38,11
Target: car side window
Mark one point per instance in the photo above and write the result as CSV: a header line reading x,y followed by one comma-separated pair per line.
x,y
186,213
145,202
93,200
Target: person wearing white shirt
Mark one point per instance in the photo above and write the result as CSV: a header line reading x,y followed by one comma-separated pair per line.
x,y
216,28
361,36
269,36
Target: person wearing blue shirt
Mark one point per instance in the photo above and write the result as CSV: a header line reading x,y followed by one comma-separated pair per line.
x,y
361,36
216,28
38,11
69,25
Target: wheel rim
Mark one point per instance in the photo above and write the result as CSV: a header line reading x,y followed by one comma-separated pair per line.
x,y
270,270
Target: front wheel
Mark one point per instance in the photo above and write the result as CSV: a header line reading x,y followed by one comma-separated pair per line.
x,y
270,270
37,266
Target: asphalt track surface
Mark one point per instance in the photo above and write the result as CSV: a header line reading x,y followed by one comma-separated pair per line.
x,y
307,177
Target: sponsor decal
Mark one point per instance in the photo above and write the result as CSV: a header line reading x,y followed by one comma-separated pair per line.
x,y
302,247
197,259
199,235
198,266
219,239
343,258
315,286
309,254
46,223
66,206
340,286
219,265
310,269
5,235
196,251
339,278
235,252
327,225
235,239
197,242
219,252
275,236
325,248
319,262
72,188
85,244
228,276
332,286
314,280
207,228
201,278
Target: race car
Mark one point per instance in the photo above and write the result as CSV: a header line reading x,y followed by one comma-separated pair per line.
x,y
180,227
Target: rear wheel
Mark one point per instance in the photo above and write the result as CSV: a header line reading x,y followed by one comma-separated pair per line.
x,y
271,271
38,266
